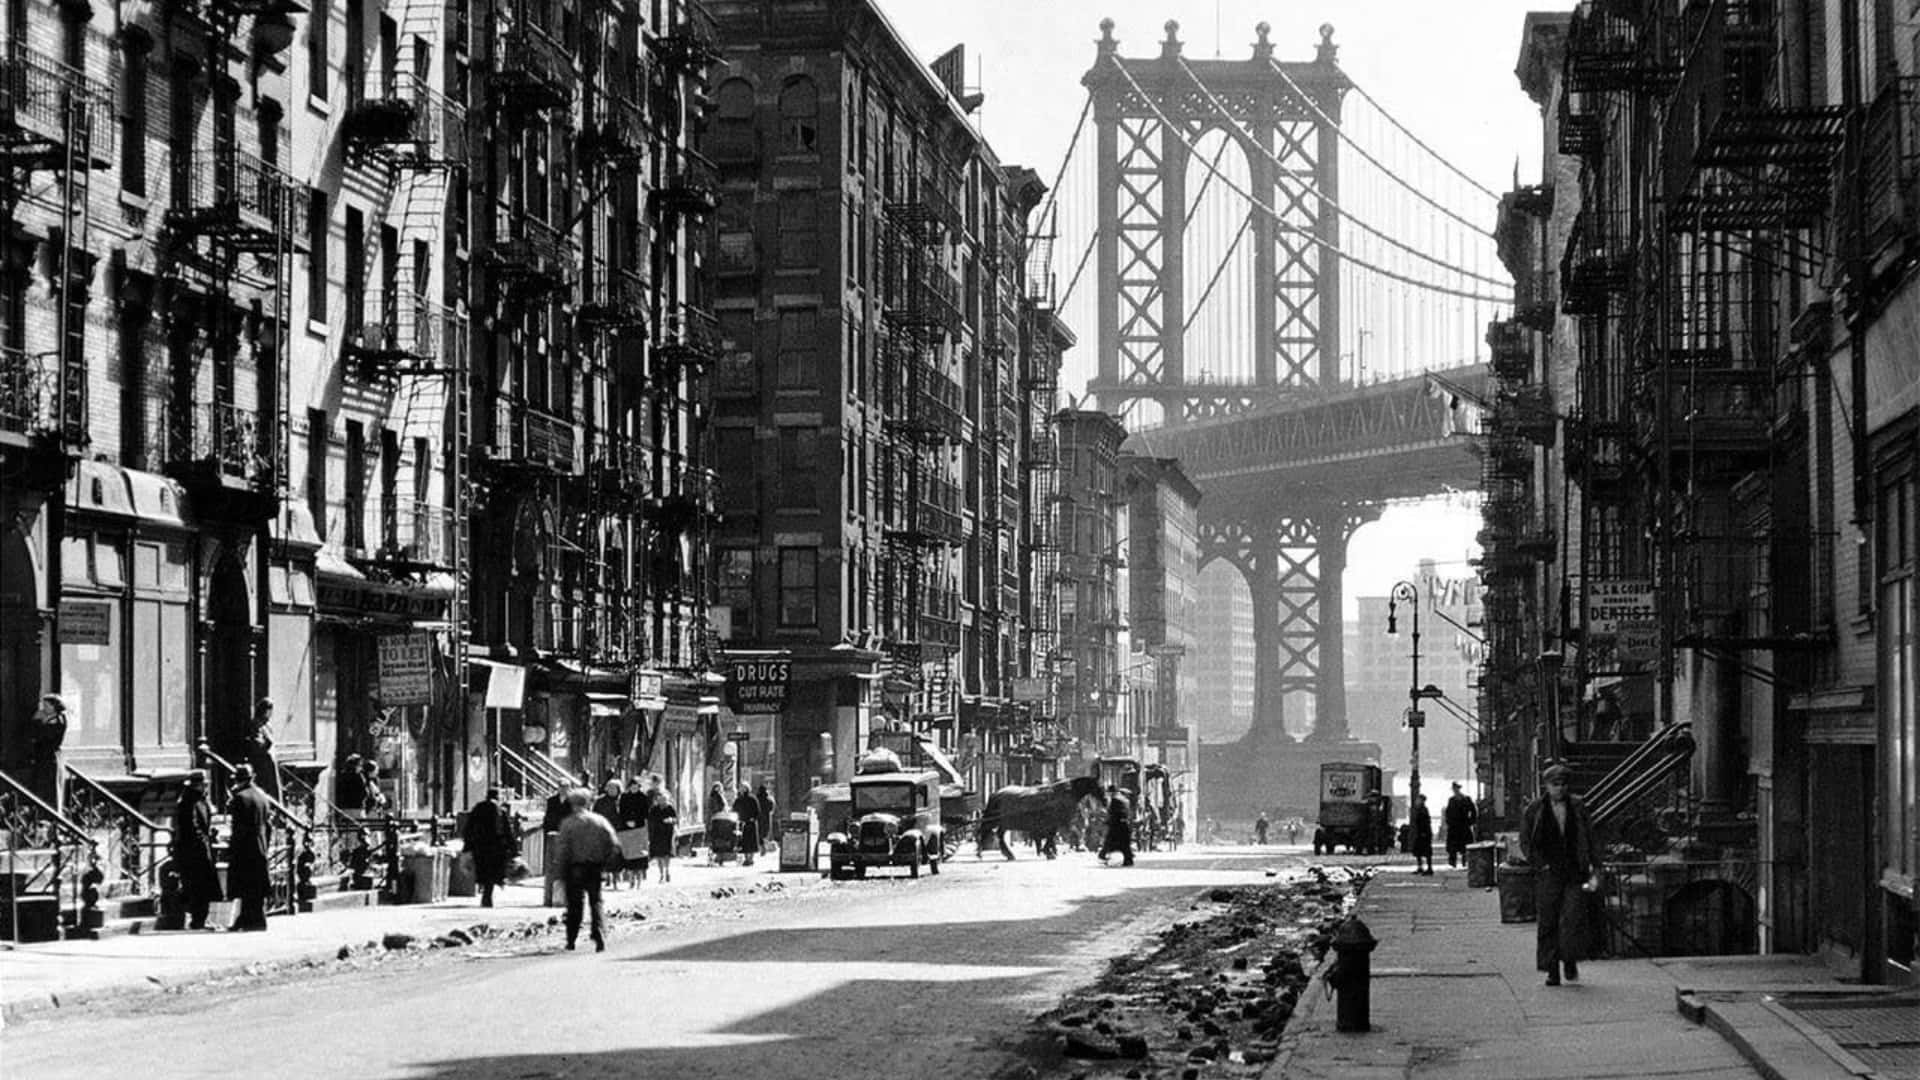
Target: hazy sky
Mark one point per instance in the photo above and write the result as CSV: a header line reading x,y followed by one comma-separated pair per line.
x,y
1443,68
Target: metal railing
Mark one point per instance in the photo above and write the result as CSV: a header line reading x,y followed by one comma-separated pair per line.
x,y
688,333
284,864
531,69
233,193
222,435
537,773
335,844
407,333
57,102
29,391
1669,906
47,856
402,113
134,848
1640,773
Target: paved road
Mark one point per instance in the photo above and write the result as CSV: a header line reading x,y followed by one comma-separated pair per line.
x,y
935,977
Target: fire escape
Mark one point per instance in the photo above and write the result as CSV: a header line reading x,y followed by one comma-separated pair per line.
x,y
400,337
1743,185
230,226
682,195
53,120
1040,547
921,407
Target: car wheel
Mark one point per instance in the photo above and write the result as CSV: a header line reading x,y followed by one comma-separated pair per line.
x,y
913,863
933,864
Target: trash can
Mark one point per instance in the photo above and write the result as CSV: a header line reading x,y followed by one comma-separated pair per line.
x,y
797,835
1482,859
425,876
1516,893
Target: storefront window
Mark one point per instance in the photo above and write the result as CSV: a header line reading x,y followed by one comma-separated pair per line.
x,y
161,638
90,681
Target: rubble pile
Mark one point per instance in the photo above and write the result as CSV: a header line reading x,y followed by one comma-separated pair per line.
x,y
1212,996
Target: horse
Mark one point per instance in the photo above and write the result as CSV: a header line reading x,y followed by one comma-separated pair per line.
x,y
1040,812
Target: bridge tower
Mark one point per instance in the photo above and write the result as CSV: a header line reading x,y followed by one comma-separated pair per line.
x,y
1290,545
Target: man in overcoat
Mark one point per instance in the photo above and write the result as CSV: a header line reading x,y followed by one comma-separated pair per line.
x,y
1556,839
747,808
250,817
489,838
1459,817
1119,835
192,850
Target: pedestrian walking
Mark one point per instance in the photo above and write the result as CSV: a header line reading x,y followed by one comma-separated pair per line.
x,y
586,847
1293,832
1459,818
634,803
716,801
1556,839
1421,840
662,824
490,839
192,851
747,809
1119,836
1260,827
250,817
768,825
376,798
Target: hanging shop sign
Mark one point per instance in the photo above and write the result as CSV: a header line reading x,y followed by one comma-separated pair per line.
x,y
406,669
758,684
1638,640
1621,600
647,690
506,686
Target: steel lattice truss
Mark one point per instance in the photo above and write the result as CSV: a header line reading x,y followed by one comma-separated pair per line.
x,y
1146,160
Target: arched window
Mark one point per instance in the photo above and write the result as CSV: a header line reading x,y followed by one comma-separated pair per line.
x,y
733,119
800,116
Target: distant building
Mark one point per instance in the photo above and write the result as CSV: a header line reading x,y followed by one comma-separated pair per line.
x,y
1224,661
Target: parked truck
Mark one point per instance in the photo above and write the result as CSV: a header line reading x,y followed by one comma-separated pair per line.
x,y
1353,810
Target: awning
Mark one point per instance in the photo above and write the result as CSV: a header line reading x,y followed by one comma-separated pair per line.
x,y
329,563
292,526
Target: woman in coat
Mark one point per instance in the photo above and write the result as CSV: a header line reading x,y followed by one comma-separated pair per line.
x,y
747,808
768,827
490,839
193,851
1422,840
662,822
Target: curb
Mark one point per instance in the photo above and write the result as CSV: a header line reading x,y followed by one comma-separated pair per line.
x,y
11,1011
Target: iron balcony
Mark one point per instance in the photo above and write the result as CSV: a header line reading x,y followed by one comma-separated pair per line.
x,y
531,71
234,199
400,118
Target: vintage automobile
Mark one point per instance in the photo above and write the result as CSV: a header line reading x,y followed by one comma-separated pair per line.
x,y
1353,810
893,820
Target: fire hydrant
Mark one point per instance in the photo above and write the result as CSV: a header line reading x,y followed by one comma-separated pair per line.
x,y
1352,974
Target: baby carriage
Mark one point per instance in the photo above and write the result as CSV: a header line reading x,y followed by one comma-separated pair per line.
x,y
723,838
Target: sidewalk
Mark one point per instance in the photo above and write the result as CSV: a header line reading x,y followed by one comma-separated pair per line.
x,y
53,974
1455,994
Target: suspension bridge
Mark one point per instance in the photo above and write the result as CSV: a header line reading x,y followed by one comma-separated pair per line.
x,y
1290,290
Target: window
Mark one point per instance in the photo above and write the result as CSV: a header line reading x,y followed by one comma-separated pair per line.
x,y
799,349
356,267
133,121
799,594
318,29
317,468
1897,535
736,589
733,120
800,116
799,465
355,518
799,237
318,238
733,446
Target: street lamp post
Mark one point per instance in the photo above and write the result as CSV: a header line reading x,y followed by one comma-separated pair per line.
x,y
1405,593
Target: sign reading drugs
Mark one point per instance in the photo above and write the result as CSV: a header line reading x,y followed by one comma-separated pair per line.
x,y
1622,600
406,669
758,684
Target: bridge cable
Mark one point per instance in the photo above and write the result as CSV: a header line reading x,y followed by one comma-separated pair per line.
x,y
1402,128
1394,176
1092,238
1282,170
1246,223
1073,143
1281,222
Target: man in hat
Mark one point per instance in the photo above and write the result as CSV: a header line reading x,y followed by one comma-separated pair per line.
x,y
489,838
1557,840
1459,817
250,817
258,746
1119,835
193,850
585,847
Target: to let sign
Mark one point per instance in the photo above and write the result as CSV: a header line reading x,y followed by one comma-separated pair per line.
x,y
406,669
1623,600
758,684
85,622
